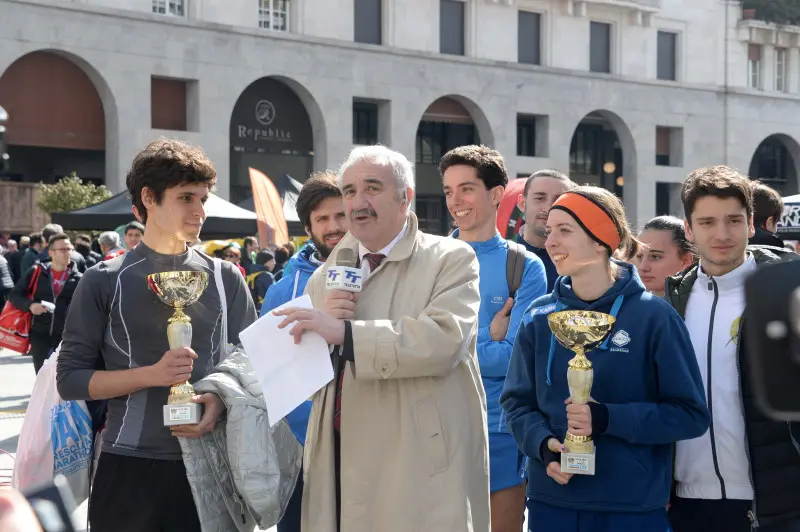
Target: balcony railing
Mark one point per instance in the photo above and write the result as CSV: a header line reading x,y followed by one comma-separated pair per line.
x,y
18,211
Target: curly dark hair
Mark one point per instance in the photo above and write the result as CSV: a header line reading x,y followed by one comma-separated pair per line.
x,y
319,187
164,164
488,163
719,181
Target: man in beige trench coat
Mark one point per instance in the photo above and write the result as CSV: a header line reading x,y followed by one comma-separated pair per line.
x,y
411,441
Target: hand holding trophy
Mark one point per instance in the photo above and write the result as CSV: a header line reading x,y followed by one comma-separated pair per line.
x,y
579,331
179,290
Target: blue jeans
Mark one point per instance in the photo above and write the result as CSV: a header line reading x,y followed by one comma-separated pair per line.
x,y
290,522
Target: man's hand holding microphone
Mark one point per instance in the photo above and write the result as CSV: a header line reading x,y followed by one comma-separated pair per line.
x,y
343,282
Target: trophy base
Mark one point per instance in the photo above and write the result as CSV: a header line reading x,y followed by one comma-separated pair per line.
x,y
185,414
578,463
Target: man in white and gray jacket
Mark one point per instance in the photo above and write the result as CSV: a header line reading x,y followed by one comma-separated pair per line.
x,y
745,471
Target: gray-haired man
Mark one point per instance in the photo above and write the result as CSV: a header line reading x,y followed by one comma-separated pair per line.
x,y
110,245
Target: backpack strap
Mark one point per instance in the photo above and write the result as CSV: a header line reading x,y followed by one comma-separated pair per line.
x,y
515,266
223,337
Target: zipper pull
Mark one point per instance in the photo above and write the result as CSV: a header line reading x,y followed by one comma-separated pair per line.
x,y
710,284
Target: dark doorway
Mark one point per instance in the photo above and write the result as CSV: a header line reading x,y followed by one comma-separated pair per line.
x,y
270,131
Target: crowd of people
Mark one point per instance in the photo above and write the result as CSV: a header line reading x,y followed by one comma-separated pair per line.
x,y
450,402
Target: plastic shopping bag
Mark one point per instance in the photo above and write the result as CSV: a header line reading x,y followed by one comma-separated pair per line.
x,y
72,437
33,466
56,439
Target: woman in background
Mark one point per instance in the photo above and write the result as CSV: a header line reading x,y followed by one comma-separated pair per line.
x,y
666,251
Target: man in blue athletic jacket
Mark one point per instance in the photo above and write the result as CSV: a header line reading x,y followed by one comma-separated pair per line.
x,y
320,208
474,180
542,189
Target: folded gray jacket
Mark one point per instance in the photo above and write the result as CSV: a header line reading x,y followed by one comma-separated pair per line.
x,y
242,473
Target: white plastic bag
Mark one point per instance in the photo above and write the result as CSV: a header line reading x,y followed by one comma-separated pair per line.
x,y
72,446
33,466
56,439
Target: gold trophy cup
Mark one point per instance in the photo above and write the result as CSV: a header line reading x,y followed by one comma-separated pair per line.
x,y
579,331
179,290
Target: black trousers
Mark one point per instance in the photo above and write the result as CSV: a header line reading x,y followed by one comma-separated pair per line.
x,y
290,522
141,495
41,346
718,515
709,515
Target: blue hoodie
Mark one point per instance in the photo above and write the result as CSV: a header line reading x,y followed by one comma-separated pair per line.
x,y
493,357
646,375
289,287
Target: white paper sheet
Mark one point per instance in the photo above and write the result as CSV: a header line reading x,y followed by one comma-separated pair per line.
x,y
289,373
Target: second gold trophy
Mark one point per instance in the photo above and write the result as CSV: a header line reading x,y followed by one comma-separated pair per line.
x,y
579,331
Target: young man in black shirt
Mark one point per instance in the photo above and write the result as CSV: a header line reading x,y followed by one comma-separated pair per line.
x,y
116,323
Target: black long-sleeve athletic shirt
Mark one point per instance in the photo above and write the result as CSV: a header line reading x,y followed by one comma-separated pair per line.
x,y
115,316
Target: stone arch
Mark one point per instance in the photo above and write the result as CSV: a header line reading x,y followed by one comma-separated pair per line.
x,y
86,121
776,162
447,105
603,152
449,121
277,126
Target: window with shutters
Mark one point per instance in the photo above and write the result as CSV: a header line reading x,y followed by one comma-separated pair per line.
x,y
274,14
669,146
365,123
169,7
667,53
526,135
451,27
529,38
600,47
781,69
754,66
368,21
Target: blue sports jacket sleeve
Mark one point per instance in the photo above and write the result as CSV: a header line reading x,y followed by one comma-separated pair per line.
x,y
527,424
681,412
494,357
270,297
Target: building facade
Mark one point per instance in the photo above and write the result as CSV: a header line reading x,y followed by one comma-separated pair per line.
x,y
626,94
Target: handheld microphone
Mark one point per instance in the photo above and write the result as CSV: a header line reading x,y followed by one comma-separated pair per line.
x,y
344,275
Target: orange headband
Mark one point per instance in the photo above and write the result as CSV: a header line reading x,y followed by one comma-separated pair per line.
x,y
591,217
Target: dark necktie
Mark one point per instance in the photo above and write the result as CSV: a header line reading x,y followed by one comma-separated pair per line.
x,y
374,260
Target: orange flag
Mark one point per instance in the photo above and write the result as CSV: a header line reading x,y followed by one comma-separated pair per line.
x,y
272,227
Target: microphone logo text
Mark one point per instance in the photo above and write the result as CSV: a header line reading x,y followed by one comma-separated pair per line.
x,y
352,276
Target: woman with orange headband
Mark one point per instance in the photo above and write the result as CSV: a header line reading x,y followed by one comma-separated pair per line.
x,y
647,391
